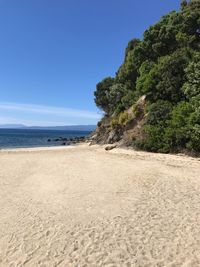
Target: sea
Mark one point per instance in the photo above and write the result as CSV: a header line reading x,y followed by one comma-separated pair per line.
x,y
30,138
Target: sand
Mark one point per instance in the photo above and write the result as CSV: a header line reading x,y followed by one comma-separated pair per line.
x,y
82,206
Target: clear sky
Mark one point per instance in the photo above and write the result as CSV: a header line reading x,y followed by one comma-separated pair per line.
x,y
53,52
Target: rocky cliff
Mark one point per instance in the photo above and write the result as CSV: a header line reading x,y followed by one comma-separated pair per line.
x,y
123,129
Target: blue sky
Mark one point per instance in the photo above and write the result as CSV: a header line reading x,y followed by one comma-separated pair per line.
x,y
53,53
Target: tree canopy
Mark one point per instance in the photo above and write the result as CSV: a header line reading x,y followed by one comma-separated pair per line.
x,y
164,66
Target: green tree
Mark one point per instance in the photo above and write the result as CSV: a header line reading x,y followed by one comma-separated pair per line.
x,y
102,93
192,86
116,93
183,4
165,67
158,112
178,130
165,79
128,71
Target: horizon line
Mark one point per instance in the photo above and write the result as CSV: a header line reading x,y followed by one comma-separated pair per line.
x,y
45,115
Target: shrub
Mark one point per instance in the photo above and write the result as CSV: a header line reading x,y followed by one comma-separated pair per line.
x,y
158,112
194,142
154,141
138,109
124,118
114,122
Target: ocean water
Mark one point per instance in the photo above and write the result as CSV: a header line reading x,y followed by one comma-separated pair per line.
x,y
20,138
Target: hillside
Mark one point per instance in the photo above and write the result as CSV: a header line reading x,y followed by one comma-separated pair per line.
x,y
153,102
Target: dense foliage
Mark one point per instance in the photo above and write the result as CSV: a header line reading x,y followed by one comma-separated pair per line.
x,y
164,66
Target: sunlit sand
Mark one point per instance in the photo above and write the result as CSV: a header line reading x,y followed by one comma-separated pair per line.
x,y
83,206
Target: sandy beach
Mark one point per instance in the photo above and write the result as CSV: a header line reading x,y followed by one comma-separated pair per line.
x,y
83,206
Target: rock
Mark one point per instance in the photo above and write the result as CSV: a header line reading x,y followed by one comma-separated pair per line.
x,y
64,139
112,137
110,147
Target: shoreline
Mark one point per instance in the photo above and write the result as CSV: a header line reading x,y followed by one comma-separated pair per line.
x,y
126,151
38,148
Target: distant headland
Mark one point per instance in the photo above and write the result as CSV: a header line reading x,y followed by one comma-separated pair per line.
x,y
67,127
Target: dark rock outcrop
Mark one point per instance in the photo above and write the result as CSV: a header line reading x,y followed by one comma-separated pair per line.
x,y
69,141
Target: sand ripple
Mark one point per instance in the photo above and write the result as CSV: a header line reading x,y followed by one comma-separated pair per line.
x,y
83,207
